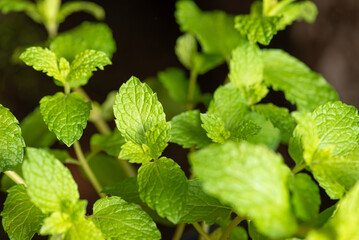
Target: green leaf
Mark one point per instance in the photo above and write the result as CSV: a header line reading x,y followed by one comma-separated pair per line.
x,y
50,184
21,219
163,187
305,197
204,62
42,137
176,83
65,115
69,8
118,219
305,10
110,142
84,64
245,176
28,7
135,153
43,59
257,28
137,110
88,35
57,223
186,130
205,25
300,85
343,225
157,139
215,128
279,117
84,229
186,49
201,207
11,142
126,189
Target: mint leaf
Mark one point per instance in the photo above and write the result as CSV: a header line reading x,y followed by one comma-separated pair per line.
x,y
163,187
50,184
257,28
65,115
186,49
305,10
135,153
42,137
69,8
84,229
137,110
88,35
11,142
204,25
116,218
57,223
204,62
305,197
126,189
110,142
215,128
279,117
157,139
28,7
43,59
84,64
21,219
300,85
186,130
245,176
201,207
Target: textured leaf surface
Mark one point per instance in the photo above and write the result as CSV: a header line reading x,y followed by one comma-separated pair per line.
x,y
66,116
204,25
215,128
11,142
119,219
84,64
300,85
42,137
201,207
245,176
186,130
20,217
163,186
257,28
50,184
69,8
279,117
305,197
42,59
111,142
88,35
135,153
84,229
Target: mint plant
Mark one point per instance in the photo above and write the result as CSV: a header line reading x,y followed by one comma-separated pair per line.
x,y
239,182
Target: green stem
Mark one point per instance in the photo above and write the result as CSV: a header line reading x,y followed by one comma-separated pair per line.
x,y
200,231
299,167
191,89
205,228
67,89
179,231
237,220
81,157
15,177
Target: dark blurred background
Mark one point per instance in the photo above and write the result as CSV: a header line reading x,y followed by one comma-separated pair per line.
x,y
146,31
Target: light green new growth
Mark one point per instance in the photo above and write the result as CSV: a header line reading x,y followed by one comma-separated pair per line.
x,y
20,217
84,229
11,142
51,190
118,219
65,115
215,128
69,8
163,187
245,176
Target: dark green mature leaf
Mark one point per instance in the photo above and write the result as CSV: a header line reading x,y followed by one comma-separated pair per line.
x,y
126,189
118,219
257,28
205,25
300,85
245,176
186,130
88,35
69,8
305,197
50,184
110,142
201,207
65,115
11,142
163,187
21,218
42,137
